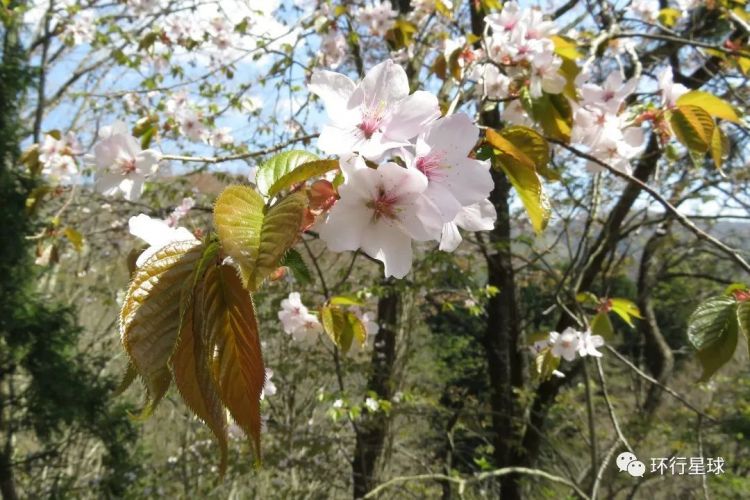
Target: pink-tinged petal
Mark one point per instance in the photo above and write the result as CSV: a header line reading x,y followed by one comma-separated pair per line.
x,y
455,135
450,238
344,228
411,116
384,85
478,217
377,146
440,194
401,182
389,245
469,180
423,221
334,89
349,164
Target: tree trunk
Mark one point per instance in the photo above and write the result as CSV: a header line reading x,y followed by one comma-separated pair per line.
x,y
373,426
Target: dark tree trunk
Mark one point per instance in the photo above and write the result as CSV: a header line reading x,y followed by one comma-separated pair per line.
x,y
373,427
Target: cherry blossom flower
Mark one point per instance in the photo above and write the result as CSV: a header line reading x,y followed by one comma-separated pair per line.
x,y
56,157
545,75
221,137
297,321
180,211
333,49
514,113
453,179
477,217
670,91
565,344
372,405
157,233
191,124
648,10
379,18
589,343
610,96
121,164
495,84
375,116
380,211
82,29
269,388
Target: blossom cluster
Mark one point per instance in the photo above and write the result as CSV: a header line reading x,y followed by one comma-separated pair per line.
x,y
57,157
520,52
601,123
571,342
407,171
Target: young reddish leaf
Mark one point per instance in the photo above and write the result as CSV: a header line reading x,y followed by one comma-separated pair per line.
x,y
231,330
191,369
150,314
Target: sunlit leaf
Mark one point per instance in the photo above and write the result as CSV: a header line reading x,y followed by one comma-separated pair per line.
x,y
342,327
669,16
270,172
281,228
602,325
546,363
238,218
150,315
302,173
554,114
626,310
693,127
714,106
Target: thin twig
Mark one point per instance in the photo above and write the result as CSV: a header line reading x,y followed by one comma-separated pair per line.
x,y
240,156
463,482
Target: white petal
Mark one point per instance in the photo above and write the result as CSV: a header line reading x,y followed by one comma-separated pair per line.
x,y
411,116
456,135
108,184
478,217
343,230
334,89
132,187
450,238
384,84
390,246
469,180
337,141
148,229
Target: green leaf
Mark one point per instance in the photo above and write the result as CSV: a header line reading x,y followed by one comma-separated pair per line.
x,y
281,228
150,314
626,310
302,173
226,316
719,147
714,106
554,114
345,300
693,127
74,237
712,330
669,16
546,363
601,325
743,320
278,166
342,327
534,146
254,239
293,260
521,172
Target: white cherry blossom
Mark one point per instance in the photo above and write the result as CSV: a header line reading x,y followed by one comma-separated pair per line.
x,y
478,217
380,211
374,116
121,164
379,18
157,233
565,344
670,91
589,343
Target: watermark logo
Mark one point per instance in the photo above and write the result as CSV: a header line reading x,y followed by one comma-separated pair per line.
x,y
675,466
628,462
